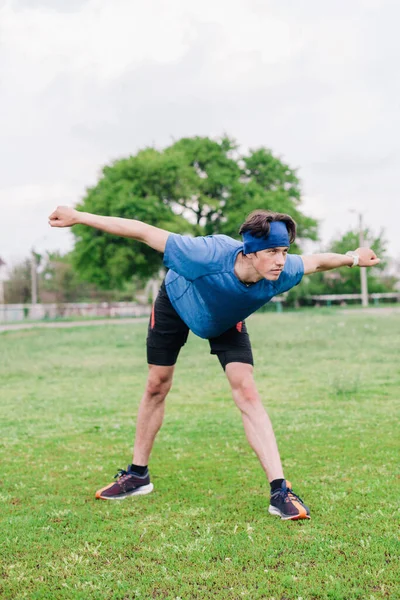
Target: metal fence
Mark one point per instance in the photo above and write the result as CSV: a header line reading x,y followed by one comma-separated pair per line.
x,y
38,312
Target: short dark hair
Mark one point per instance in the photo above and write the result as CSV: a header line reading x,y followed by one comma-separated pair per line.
x,y
258,222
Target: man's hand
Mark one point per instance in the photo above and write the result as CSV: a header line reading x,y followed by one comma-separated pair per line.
x,y
64,216
367,258
315,263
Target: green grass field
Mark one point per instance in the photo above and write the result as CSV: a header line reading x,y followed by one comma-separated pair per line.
x,y
68,405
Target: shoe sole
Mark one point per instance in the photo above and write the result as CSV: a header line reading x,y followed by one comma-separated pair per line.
x,y
275,511
141,491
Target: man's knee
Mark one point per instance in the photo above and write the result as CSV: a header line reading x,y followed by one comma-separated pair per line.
x,y
243,386
246,392
159,383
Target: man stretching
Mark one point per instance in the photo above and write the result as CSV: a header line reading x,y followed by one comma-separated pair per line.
x,y
213,284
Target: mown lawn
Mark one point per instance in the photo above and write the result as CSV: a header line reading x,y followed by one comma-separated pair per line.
x,y
68,402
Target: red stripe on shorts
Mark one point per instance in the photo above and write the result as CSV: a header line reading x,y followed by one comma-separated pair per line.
x,y
153,317
239,326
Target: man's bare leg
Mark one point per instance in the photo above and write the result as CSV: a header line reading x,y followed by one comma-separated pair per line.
x,y
284,503
150,417
151,412
257,425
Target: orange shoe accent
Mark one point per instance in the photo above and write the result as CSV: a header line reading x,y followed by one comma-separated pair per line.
x,y
99,492
302,511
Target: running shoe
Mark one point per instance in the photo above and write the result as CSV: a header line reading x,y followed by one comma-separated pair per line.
x,y
128,483
287,505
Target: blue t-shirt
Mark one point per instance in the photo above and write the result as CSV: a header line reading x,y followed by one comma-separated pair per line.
x,y
204,289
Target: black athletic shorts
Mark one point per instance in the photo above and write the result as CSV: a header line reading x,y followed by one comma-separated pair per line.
x,y
168,333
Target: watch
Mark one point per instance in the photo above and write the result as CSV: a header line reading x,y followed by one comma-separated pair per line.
x,y
355,258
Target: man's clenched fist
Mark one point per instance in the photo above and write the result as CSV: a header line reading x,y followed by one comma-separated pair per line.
x,y
367,258
64,216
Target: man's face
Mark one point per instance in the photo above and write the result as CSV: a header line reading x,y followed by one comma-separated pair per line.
x,y
269,263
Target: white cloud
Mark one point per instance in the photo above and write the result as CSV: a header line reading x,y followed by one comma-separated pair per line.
x,y
85,82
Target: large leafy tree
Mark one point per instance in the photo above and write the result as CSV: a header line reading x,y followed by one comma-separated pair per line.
x,y
140,188
197,186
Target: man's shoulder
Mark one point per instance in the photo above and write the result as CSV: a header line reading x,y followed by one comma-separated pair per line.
x,y
223,240
223,248
194,257
215,238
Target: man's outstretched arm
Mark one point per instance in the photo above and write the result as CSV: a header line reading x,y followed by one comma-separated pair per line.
x,y
315,263
64,216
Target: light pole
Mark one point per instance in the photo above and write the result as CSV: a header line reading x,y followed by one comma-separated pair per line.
x,y
363,270
34,273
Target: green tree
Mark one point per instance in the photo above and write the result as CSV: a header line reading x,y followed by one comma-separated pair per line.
x,y
139,187
197,186
267,182
17,289
60,282
209,177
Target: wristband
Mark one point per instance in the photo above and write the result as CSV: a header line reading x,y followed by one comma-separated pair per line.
x,y
355,258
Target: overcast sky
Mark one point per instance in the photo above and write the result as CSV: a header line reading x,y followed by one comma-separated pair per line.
x,y
83,82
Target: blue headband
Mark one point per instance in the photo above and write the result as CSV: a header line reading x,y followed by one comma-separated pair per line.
x,y
278,236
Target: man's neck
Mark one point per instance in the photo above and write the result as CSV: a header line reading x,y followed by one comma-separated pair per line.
x,y
245,271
